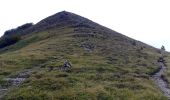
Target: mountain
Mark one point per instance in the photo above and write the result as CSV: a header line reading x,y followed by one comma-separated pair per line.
x,y
105,65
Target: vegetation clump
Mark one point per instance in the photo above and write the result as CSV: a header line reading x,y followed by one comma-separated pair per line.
x,y
18,30
9,40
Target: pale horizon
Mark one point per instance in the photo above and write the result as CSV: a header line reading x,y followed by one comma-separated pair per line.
x,y
144,20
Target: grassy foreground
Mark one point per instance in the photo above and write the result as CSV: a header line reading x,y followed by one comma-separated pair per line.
x,y
95,75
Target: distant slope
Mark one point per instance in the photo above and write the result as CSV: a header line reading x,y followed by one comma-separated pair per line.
x,y
106,65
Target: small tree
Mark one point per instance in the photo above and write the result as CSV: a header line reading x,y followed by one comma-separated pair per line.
x,y
163,48
163,51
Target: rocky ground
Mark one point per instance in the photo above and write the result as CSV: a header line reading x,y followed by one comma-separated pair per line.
x,y
13,82
160,80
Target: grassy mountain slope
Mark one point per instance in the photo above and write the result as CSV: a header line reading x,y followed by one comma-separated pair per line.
x,y
106,65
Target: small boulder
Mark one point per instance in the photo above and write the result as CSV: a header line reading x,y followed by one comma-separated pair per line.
x,y
67,64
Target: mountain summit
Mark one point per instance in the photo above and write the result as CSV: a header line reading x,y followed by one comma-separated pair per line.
x,y
63,18
69,57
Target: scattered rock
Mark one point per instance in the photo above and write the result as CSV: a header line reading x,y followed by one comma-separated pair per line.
x,y
88,46
66,66
14,81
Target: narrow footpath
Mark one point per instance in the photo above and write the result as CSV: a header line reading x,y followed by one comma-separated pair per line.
x,y
14,82
160,81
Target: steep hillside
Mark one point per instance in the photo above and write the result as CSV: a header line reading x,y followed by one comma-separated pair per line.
x,y
106,65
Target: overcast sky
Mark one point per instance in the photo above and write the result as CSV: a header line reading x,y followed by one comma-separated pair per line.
x,y
144,20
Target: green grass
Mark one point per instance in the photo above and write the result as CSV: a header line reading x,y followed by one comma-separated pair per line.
x,y
115,69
